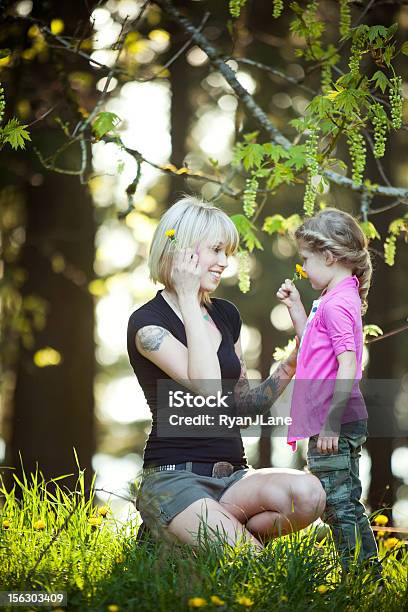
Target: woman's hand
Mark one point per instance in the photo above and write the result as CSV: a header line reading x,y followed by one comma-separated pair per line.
x,y
186,273
290,362
288,294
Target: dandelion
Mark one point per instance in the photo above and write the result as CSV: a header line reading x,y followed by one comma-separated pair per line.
x,y
170,233
6,524
40,524
95,521
217,601
322,589
113,608
381,519
196,602
103,510
391,543
245,601
380,534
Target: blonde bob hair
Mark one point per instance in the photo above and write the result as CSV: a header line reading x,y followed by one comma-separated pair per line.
x,y
193,221
338,232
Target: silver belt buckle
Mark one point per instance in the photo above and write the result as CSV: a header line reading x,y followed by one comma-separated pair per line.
x,y
222,469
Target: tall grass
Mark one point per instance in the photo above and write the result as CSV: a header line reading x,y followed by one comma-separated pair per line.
x,y
61,541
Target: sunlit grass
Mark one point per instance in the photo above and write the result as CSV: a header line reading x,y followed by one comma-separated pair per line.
x,y
62,541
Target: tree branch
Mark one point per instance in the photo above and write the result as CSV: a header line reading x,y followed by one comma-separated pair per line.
x,y
254,109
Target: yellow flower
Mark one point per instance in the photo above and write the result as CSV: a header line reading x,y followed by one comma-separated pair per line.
x,y
170,233
380,534
113,608
245,601
322,589
217,601
103,510
391,542
381,519
95,521
300,271
196,602
40,524
6,523
57,26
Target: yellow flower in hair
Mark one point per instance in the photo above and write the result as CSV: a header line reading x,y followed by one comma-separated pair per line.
x,y
170,233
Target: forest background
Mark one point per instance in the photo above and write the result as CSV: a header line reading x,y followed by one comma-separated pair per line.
x,y
109,112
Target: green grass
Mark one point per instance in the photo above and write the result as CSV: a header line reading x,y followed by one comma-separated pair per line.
x,y
102,565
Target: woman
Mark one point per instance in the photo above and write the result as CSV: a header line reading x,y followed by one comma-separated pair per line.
x,y
184,335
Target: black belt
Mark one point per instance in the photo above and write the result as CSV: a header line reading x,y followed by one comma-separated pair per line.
x,y
220,469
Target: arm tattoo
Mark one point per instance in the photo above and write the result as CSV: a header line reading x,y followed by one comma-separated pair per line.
x,y
151,337
258,400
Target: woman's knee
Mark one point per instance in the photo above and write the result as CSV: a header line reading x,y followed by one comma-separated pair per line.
x,y
309,497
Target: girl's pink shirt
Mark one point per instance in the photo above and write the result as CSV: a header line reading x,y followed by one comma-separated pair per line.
x,y
336,327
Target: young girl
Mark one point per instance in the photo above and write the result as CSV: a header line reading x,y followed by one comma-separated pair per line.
x,y
327,405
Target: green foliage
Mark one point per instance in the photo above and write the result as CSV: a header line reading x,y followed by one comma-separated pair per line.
x,y
396,101
278,224
398,227
13,133
370,230
277,8
345,17
357,148
104,123
235,7
246,231
371,330
96,559
244,268
249,204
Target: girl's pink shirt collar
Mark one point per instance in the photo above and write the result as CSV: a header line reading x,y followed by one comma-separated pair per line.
x,y
349,280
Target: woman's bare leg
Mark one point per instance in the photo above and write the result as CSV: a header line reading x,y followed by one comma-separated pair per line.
x,y
185,525
274,501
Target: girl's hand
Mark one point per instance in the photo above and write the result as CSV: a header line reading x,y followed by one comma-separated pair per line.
x,y
288,294
186,273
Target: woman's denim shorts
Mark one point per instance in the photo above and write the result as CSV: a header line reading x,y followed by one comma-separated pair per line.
x,y
163,495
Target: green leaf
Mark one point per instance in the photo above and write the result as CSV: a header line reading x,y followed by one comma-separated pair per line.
x,y
404,48
372,330
105,122
15,134
388,54
370,230
273,224
381,80
250,137
253,155
377,31
246,231
4,53
275,152
297,157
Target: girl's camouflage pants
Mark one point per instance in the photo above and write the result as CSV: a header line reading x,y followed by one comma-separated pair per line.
x,y
339,475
